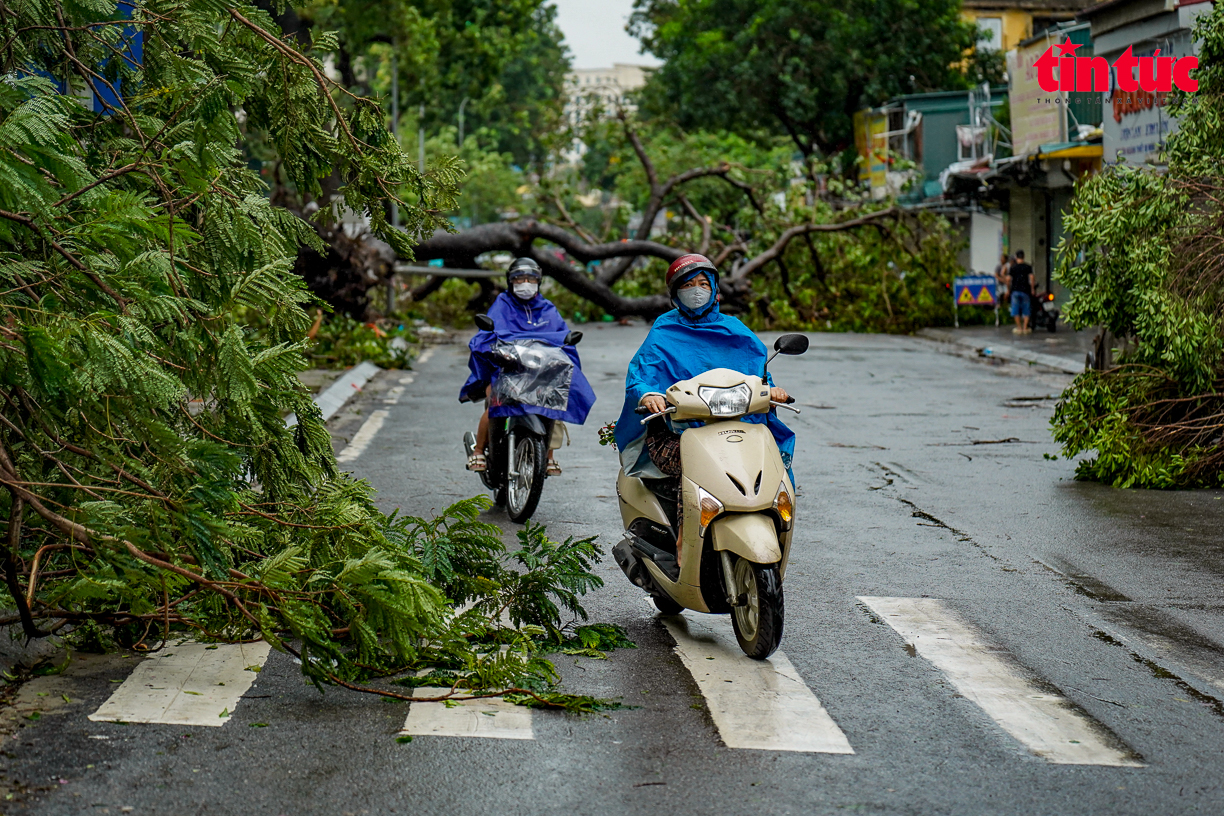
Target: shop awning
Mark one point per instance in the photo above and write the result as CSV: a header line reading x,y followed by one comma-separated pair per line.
x,y
1071,150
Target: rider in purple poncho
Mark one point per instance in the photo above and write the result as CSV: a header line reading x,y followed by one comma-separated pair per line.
x,y
521,313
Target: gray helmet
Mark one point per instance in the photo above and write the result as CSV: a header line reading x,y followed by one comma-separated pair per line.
x,y
523,266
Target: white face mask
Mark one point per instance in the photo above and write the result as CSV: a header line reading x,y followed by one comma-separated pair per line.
x,y
526,291
694,297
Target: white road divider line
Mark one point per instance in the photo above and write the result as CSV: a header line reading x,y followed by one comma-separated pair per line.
x,y
762,704
364,436
425,355
186,684
1024,706
491,717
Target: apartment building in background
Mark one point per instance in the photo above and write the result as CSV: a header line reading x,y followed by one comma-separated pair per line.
x,y
1007,22
586,88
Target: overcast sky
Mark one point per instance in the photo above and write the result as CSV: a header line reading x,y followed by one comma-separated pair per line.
x,y
595,32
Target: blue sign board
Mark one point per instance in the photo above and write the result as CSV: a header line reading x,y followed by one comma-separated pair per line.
x,y
975,290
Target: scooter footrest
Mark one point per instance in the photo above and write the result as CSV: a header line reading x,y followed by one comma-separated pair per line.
x,y
663,560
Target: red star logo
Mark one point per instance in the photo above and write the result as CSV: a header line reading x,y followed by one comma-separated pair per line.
x,y
1067,49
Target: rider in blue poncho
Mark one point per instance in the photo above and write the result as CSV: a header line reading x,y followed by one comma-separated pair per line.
x,y
521,314
689,340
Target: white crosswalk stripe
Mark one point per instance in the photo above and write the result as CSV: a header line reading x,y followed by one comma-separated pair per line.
x,y
762,704
1043,720
186,684
492,717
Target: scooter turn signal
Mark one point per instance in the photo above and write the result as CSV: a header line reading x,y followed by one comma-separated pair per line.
x,y
786,509
710,508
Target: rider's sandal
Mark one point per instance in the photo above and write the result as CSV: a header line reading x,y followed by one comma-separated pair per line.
x,y
553,469
477,463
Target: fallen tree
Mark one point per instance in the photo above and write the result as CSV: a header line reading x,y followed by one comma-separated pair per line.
x,y
149,485
763,237
519,237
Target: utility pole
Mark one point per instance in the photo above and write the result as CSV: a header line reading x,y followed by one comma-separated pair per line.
x,y
462,105
395,214
394,120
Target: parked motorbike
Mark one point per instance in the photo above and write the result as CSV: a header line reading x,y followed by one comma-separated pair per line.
x,y
532,374
736,501
1045,313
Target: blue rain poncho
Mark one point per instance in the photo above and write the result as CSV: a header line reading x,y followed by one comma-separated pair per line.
x,y
569,399
680,347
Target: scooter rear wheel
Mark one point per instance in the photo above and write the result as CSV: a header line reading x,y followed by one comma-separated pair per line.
x,y
666,605
758,615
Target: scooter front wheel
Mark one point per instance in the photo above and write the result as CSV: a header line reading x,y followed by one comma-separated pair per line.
x,y
759,611
530,458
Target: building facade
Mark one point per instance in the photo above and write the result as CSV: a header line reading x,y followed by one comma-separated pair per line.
x,y
588,88
1006,23
1136,124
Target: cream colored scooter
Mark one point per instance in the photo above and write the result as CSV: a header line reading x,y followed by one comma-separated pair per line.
x,y
734,505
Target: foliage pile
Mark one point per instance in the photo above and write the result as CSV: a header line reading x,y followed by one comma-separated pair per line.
x,y
148,480
343,342
1144,258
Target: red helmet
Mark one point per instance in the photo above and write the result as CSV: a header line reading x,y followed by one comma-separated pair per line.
x,y
682,266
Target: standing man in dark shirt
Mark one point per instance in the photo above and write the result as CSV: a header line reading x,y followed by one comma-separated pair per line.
x,y
1021,293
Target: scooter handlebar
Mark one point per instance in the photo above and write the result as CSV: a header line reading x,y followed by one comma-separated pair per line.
x,y
670,410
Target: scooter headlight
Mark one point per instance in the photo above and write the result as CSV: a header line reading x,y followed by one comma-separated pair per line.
x,y
726,401
784,505
710,508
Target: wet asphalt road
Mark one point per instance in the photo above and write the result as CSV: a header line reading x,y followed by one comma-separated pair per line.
x,y
906,490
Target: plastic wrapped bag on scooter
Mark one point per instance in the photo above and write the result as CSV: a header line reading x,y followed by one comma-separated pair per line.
x,y
533,374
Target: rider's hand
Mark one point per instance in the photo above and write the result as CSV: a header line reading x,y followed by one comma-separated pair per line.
x,y
778,394
654,403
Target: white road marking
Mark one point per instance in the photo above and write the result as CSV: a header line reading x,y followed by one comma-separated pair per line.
x,y
1046,723
762,704
188,684
406,380
364,436
393,395
492,717
425,355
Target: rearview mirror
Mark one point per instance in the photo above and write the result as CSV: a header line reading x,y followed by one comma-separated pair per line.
x,y
791,344
573,338
484,322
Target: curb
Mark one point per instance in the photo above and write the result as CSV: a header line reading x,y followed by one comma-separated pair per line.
x,y
1066,365
333,397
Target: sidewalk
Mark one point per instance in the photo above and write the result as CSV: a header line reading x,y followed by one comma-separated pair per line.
x,y
1064,350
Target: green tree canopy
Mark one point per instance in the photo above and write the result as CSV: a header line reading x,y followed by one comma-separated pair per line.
x,y
506,57
799,67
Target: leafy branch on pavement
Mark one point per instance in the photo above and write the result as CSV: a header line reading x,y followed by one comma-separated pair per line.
x,y
1144,259
148,483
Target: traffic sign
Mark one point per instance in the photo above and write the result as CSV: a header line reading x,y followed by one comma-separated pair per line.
x,y
974,290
